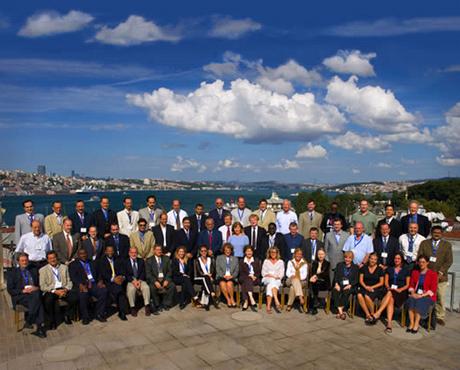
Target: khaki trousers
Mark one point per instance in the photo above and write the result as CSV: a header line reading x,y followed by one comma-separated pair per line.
x,y
131,293
441,300
296,287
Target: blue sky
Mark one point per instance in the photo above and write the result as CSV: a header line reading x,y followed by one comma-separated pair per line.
x,y
324,92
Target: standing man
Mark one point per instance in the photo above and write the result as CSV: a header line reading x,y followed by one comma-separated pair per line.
x,y
23,222
241,213
35,244
366,217
93,245
65,244
439,251
310,218
386,246
81,220
360,244
285,217
275,239
329,218
334,243
135,276
198,219
151,213
266,216
409,244
103,217
211,237
127,218
143,240
164,234
226,228
176,215
257,236
218,213
424,224
186,237
119,241
390,219
53,222
312,245
293,240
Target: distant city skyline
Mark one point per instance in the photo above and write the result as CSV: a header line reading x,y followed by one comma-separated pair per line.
x,y
330,92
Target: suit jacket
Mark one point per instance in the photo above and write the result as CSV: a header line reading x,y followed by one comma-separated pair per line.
x,y
145,214
105,271
221,266
130,276
52,226
395,228
324,276
218,221
47,281
444,258
77,225
159,239
216,242
269,217
305,224
339,274
16,282
122,249
78,273
152,269
103,225
180,239
60,247
88,246
308,253
430,283
127,227
392,248
424,225
194,223
328,222
188,269
244,269
334,250
145,247
22,225
198,271
262,243
279,242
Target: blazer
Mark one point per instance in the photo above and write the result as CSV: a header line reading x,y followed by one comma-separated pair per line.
x,y
218,220
16,283
269,217
444,258
308,252
430,284
159,239
78,273
262,243
221,266
47,281
188,269
60,246
145,214
194,223
22,225
334,250
145,247
198,271
122,250
392,249
324,275
152,269
244,269
88,246
395,228
216,242
327,224
105,272
424,225
130,276
190,242
103,225
77,225
52,227
279,242
126,227
339,274
305,224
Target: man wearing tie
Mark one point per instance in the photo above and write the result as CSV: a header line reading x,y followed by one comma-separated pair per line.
x,y
135,276
119,241
65,244
164,234
35,244
103,218
409,244
313,244
390,219
93,245
266,216
23,222
143,240
241,213
176,215
218,213
386,246
257,236
53,222
310,218
424,224
211,237
186,237
81,220
226,228
198,219
151,213
334,242
127,218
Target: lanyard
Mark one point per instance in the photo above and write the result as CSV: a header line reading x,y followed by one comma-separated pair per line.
x,y
25,277
395,277
228,263
56,274
346,271
240,215
360,240
434,247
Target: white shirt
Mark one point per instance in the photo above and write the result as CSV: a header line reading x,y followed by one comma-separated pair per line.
x,y
223,231
404,245
290,270
163,230
35,246
172,218
70,237
126,225
284,219
359,247
241,215
277,269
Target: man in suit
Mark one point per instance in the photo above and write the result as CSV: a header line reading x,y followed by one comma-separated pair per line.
x,y
54,221
275,239
218,213
293,240
424,224
93,245
159,277
197,219
186,237
310,218
257,236
65,244
127,218
386,246
81,220
266,216
390,219
312,245
119,241
334,242
151,213
22,285
226,228
136,282
210,237
111,270
88,283
143,240
241,213
327,224
164,235
176,215
103,217
23,222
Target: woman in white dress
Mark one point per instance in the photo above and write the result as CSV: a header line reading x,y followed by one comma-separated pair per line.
x,y
272,275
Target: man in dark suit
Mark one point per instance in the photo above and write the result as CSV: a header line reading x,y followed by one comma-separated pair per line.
x,y
103,217
198,219
390,219
87,282
119,241
424,225
218,213
65,244
93,245
81,220
386,246
275,239
164,234
327,224
312,245
112,271
136,281
22,285
211,237
186,237
257,237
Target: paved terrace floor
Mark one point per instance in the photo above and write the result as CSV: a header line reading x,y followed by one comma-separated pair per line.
x,y
228,339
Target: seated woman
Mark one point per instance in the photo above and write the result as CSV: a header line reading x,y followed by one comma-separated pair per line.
x,y
422,293
238,239
397,279
182,271
371,281
296,273
250,269
205,272
272,275
227,269
345,283
320,280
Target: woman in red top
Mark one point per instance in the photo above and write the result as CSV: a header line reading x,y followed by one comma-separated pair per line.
x,y
422,289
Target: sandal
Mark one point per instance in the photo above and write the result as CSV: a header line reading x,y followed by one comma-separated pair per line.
x,y
343,316
269,311
288,308
338,316
388,330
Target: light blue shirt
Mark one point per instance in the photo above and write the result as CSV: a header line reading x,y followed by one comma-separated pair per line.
x,y
238,242
359,247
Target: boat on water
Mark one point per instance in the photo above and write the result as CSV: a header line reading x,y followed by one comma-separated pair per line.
x,y
86,190
274,203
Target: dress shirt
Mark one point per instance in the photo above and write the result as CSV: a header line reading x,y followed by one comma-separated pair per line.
x,y
359,247
224,230
172,218
241,216
404,246
163,230
290,270
35,246
284,219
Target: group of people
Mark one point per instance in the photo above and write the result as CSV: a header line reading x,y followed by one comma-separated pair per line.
x,y
106,260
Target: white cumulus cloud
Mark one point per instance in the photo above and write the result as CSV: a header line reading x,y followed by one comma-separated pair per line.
x,y
286,164
351,62
311,151
182,164
447,138
383,165
360,143
230,28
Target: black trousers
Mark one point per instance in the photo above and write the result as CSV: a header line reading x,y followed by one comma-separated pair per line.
x,y
52,309
167,295
247,285
33,302
100,294
117,294
342,297
187,291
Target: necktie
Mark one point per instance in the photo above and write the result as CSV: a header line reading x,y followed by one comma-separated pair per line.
x,y
385,242
106,215
152,216
82,219
198,219
219,211
254,241
228,232
411,243
129,216
93,242
177,221
210,239
187,235
135,268
69,246
141,235
31,218
311,216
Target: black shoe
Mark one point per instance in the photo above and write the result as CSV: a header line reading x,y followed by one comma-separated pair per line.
x,y
85,322
314,311
414,331
165,308
300,309
52,326
182,306
277,309
215,302
67,320
40,332
206,307
122,317
408,330
27,326
253,308
155,312
101,319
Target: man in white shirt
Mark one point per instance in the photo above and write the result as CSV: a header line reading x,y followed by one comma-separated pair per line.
x,y
127,218
176,215
409,244
285,217
360,244
35,244
23,222
241,213
226,228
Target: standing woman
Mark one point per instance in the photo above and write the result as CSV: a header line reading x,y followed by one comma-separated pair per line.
x,y
205,272
397,280
238,239
272,274
345,283
320,280
250,269
227,269
422,289
297,274
182,269
371,281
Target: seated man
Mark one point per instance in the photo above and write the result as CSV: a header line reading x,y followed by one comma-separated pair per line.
x,y
112,271
135,276
159,277
56,285
22,285
86,282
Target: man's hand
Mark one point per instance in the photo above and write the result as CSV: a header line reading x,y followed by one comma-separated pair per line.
x,y
106,235
165,283
314,279
136,284
157,285
347,287
83,288
100,284
119,279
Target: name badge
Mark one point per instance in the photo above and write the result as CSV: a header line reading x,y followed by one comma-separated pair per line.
x,y
419,291
90,276
394,287
28,286
227,272
292,250
345,282
384,254
409,254
160,275
151,224
83,230
57,285
432,259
